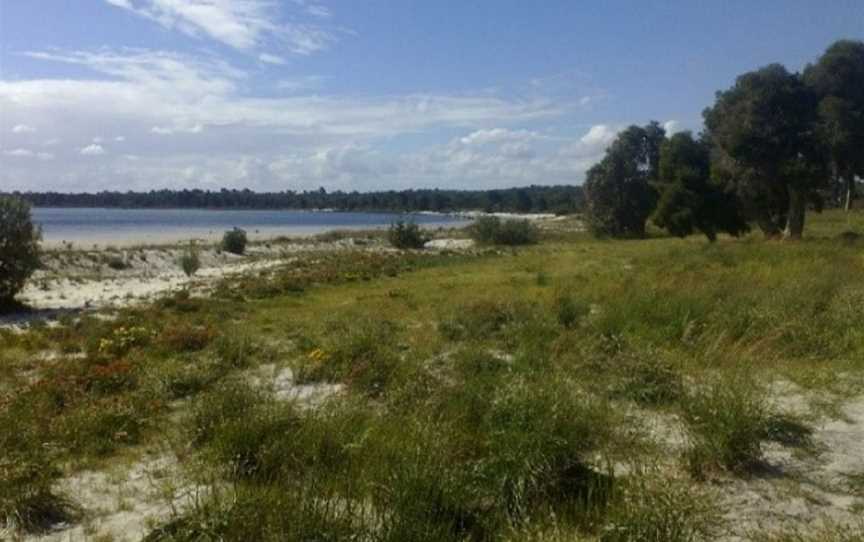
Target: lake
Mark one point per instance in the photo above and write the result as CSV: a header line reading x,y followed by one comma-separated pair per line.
x,y
123,227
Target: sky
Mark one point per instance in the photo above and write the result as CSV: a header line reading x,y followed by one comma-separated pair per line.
x,y
368,94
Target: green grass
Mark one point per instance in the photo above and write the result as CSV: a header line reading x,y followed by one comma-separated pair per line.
x,y
488,396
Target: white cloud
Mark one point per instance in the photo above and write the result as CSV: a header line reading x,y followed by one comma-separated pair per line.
x,y
242,24
23,129
220,135
671,126
497,135
93,150
27,153
21,153
599,135
97,139
271,59
120,139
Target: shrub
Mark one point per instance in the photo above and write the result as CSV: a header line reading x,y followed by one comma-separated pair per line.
x,y
187,338
570,311
405,235
727,421
491,230
19,246
117,263
27,500
234,241
190,262
655,508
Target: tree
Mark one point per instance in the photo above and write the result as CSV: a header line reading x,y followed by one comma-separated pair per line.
x,y
618,192
689,200
764,131
838,81
19,247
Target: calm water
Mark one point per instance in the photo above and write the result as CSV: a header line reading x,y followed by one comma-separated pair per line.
x,y
131,226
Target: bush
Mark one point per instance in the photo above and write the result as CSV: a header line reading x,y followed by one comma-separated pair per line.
x,y
234,241
19,246
727,421
404,235
190,262
491,230
28,502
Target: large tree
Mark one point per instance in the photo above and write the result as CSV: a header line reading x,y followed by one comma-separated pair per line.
x,y
618,192
764,130
838,81
689,199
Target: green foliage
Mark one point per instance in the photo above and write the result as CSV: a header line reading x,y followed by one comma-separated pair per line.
x,y
190,261
763,128
658,508
689,200
618,193
234,241
19,247
360,352
406,235
837,79
28,501
491,230
727,420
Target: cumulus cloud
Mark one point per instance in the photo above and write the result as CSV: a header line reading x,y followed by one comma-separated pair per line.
x,y
93,150
245,25
195,124
671,126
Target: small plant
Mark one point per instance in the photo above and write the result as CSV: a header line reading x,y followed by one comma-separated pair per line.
x,y
117,263
655,508
123,339
405,235
187,338
28,502
19,239
234,241
491,230
570,311
727,421
190,262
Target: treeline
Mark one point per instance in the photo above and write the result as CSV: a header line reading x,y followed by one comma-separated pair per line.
x,y
775,144
531,199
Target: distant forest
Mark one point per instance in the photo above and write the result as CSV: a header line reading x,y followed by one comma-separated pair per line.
x,y
537,199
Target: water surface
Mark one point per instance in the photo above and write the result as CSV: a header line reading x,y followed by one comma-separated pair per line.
x,y
123,227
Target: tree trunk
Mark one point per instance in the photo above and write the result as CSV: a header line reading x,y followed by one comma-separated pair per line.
x,y
795,221
769,228
850,191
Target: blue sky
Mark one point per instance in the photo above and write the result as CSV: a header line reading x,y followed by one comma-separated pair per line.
x,y
367,94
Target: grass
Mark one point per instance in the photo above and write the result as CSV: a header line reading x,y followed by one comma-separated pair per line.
x,y
488,396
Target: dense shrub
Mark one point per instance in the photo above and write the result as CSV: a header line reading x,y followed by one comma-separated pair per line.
x,y
234,241
491,230
404,235
190,262
28,502
19,246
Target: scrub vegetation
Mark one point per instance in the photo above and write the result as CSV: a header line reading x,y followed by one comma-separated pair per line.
x,y
576,389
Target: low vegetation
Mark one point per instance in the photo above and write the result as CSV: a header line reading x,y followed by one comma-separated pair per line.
x,y
19,247
491,395
406,235
491,230
190,260
234,241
